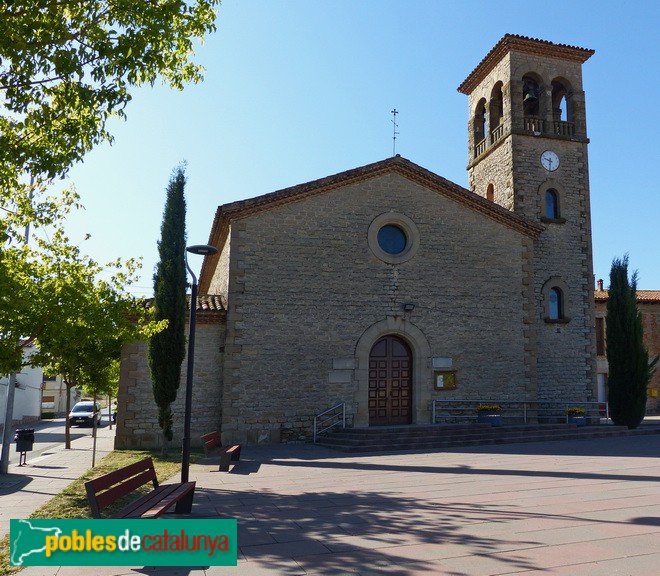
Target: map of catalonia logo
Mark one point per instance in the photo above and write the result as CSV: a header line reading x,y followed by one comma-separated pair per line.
x,y
107,542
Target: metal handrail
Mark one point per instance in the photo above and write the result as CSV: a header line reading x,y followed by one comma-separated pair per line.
x,y
320,423
523,409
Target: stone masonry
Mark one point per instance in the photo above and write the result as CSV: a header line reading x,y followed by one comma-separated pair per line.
x,y
137,416
306,286
564,351
310,287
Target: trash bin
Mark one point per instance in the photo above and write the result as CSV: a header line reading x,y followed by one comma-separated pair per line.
x,y
24,439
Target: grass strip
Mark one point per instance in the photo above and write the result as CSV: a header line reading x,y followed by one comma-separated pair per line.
x,y
72,501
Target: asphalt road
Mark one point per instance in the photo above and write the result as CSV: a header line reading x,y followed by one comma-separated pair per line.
x,y
49,434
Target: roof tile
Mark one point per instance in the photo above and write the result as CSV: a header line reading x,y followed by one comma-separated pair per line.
x,y
516,43
646,296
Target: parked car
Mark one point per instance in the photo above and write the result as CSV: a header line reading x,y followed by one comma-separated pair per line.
x,y
85,412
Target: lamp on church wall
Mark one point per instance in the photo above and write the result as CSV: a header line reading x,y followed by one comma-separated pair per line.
x,y
201,250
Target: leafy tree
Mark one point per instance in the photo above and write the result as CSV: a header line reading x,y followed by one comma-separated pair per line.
x,y
28,289
167,349
90,319
66,67
629,368
30,280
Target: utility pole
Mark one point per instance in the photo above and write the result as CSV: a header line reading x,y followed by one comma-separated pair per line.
x,y
6,433
11,387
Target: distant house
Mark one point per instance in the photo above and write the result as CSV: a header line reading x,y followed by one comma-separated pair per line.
x,y
27,400
648,302
53,397
36,394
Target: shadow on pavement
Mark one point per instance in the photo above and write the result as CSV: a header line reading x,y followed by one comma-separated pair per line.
x,y
380,467
643,446
11,483
341,533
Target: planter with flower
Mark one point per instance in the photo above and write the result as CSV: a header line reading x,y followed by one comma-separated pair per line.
x,y
576,415
489,414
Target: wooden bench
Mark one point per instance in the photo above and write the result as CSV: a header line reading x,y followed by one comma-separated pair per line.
x,y
106,489
213,444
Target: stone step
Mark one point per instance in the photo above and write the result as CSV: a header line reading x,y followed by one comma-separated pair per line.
x,y
442,431
438,437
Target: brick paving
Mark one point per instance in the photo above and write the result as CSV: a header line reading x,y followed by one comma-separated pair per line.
x,y
588,507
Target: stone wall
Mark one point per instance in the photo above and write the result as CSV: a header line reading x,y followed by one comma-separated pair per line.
x,y
137,416
305,287
563,354
563,258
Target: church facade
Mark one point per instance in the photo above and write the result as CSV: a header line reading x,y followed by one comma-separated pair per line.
x,y
387,286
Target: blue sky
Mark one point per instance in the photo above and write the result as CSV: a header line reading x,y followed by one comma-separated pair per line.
x,y
296,90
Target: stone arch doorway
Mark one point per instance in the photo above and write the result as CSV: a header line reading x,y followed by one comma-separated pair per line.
x,y
390,382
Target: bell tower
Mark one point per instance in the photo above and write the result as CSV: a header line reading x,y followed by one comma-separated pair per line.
x,y
527,143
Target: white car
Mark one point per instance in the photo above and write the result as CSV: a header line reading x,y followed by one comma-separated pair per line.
x,y
84,413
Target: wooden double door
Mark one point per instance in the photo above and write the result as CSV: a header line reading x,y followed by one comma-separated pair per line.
x,y
390,382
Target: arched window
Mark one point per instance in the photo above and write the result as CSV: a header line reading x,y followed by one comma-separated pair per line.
x,y
555,304
531,96
551,204
490,193
555,301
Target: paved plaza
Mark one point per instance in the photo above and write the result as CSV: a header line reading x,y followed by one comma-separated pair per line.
x,y
588,507
50,468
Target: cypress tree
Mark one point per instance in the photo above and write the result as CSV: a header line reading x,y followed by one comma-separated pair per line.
x,y
167,348
628,359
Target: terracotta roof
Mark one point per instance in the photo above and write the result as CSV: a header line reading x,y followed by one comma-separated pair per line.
x,y
646,296
207,303
210,309
515,43
228,212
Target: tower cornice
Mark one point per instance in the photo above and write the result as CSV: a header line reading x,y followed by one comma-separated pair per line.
x,y
524,44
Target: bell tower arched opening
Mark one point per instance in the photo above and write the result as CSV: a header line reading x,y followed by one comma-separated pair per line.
x,y
562,110
531,96
479,127
496,113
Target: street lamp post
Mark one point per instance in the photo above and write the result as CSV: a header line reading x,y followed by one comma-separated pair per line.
x,y
202,250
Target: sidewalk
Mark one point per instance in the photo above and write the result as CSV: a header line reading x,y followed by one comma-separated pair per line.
x,y
50,468
588,507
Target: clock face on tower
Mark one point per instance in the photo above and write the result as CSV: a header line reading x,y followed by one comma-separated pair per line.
x,y
549,160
